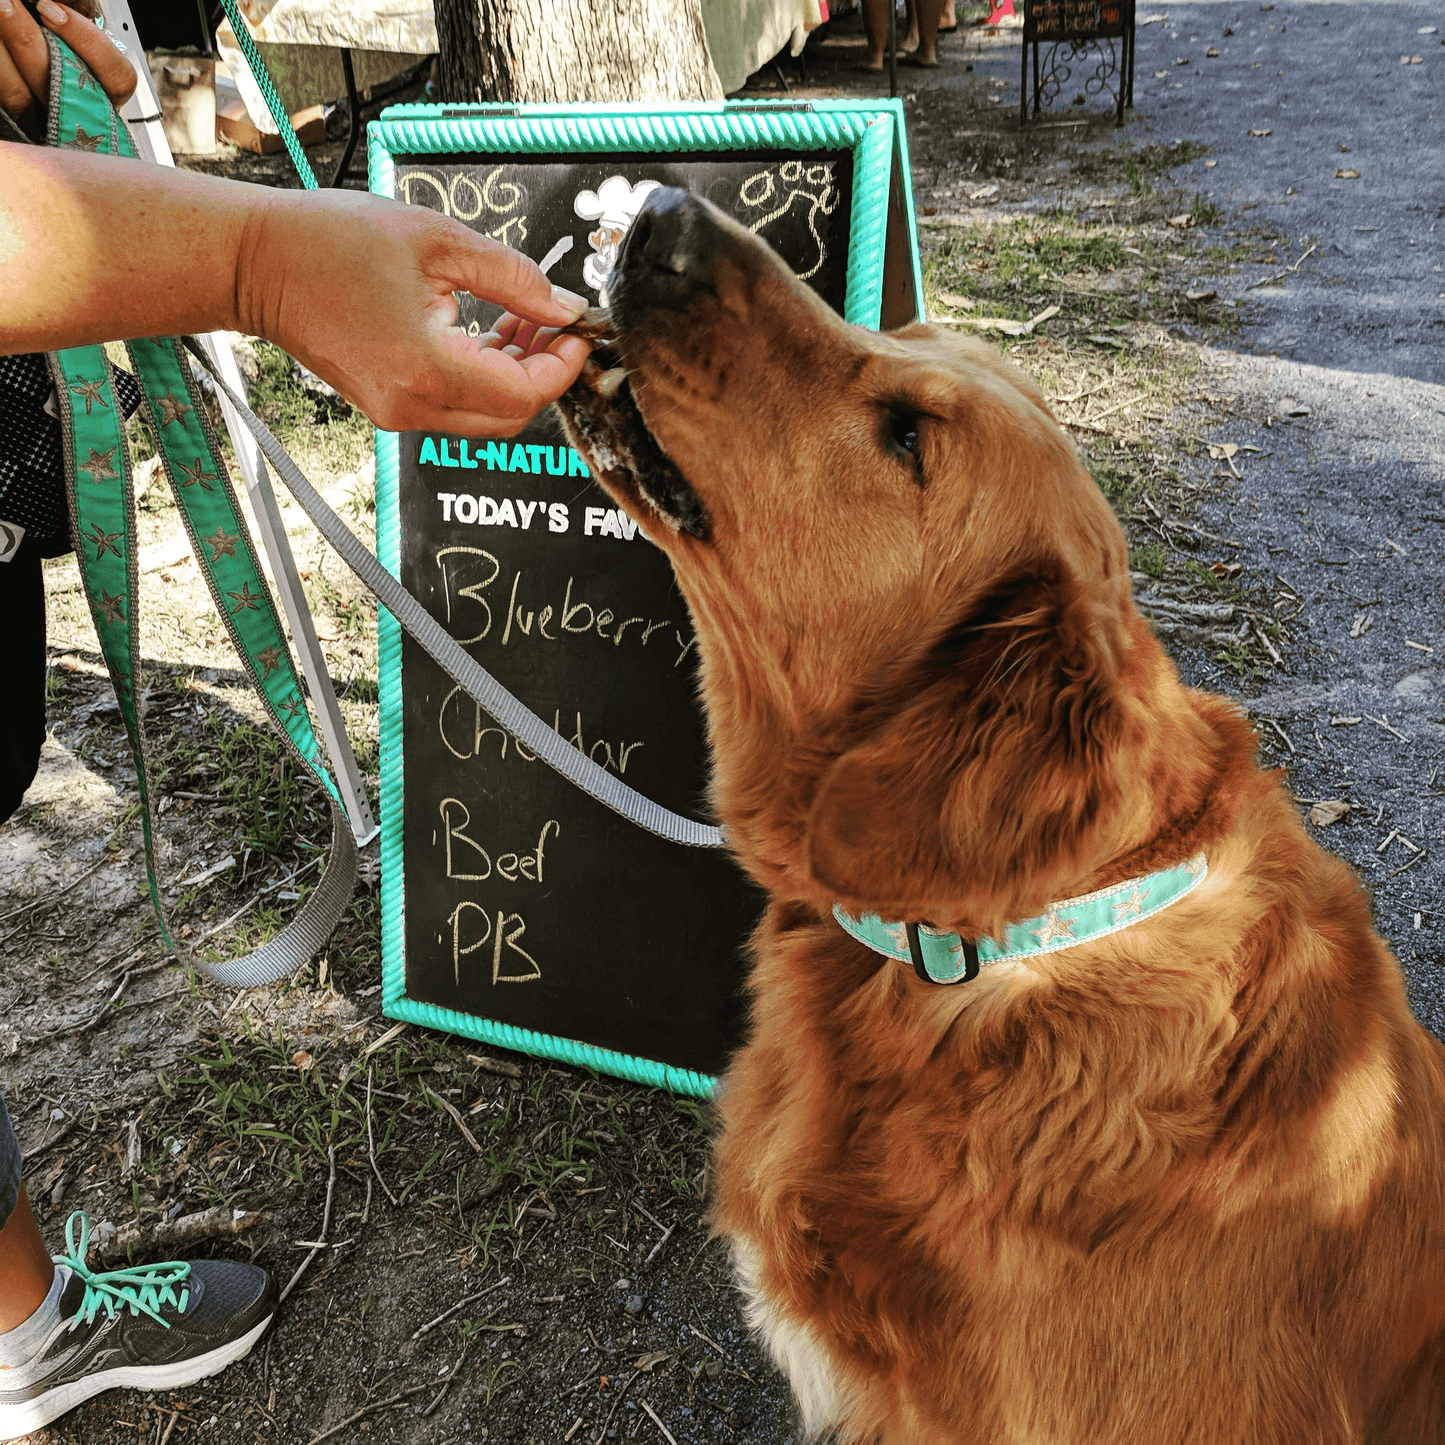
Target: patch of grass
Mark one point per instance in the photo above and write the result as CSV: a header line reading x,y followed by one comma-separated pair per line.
x,y
1204,211
1149,559
1013,264
1119,484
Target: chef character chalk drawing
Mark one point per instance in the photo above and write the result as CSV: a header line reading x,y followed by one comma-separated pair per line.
x,y
614,206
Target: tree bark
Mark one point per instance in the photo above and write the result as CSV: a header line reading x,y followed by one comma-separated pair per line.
x,y
582,50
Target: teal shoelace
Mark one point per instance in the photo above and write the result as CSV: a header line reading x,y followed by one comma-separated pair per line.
x,y
144,1290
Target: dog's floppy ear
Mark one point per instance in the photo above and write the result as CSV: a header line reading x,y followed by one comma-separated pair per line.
x,y
999,779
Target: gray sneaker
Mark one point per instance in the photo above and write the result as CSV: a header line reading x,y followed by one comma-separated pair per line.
x,y
153,1327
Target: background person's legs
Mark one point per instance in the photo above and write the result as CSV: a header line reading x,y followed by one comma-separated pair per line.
x,y
22,665
929,14
25,1267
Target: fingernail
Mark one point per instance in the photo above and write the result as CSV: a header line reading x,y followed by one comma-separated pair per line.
x,y
488,338
5,9
563,297
50,11
513,351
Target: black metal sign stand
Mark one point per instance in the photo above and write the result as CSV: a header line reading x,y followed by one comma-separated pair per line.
x,y
1072,30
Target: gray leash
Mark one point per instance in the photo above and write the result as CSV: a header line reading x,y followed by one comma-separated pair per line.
x,y
469,675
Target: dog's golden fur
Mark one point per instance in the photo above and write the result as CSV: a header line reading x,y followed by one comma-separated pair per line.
x,y
1183,1183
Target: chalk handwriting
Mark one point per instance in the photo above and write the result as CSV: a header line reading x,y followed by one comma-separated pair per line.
x,y
463,198
545,622
504,932
456,817
462,735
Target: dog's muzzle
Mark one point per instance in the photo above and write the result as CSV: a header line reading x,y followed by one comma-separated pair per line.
x,y
665,261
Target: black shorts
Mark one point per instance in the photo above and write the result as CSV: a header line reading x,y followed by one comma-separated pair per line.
x,y
22,668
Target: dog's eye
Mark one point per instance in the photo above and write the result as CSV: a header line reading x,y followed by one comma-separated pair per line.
x,y
903,434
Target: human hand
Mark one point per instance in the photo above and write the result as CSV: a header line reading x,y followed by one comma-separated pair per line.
x,y
361,290
25,60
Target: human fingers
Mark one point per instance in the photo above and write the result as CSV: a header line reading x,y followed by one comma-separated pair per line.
x,y
496,273
15,98
100,53
482,392
526,336
24,42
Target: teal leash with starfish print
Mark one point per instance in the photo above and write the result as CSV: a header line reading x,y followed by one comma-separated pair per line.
x,y
102,503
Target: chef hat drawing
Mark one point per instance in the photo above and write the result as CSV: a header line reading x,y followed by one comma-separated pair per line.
x,y
615,203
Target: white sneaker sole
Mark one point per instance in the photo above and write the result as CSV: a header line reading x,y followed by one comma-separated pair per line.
x,y
19,1420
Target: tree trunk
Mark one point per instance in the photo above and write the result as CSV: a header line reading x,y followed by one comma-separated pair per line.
x,y
563,50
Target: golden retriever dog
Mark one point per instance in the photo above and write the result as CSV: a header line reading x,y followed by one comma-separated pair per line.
x,y
1179,1181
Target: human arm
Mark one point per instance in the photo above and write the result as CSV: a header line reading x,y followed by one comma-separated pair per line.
x,y
359,288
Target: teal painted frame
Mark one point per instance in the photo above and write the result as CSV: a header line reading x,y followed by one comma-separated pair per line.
x,y
875,131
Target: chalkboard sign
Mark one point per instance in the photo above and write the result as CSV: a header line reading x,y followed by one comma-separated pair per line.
x,y
516,909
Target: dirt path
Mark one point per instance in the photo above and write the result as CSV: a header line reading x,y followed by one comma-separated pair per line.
x,y
567,1224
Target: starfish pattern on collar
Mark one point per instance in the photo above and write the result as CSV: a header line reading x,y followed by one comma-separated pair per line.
x,y
221,542
84,80
85,142
174,409
1055,927
89,392
98,465
269,659
898,932
291,706
245,599
1132,906
110,607
196,474
104,541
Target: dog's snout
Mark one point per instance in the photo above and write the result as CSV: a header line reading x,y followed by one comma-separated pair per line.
x,y
670,251
658,237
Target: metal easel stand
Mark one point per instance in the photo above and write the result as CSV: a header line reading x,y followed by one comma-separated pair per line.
x,y
142,112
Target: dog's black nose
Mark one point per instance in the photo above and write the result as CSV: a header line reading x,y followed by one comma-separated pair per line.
x,y
668,254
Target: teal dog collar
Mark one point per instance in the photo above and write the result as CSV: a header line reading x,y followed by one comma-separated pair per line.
x,y
940,957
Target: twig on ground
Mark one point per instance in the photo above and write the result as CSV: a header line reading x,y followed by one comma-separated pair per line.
x,y
245,908
1383,721
175,1416
222,1222
658,1423
52,898
1425,853
370,1409
505,1067
1304,258
103,1013
105,963
602,1433
657,1248
446,1383
460,1304
1279,662
733,1364
325,1228
456,1119
1281,732
371,1143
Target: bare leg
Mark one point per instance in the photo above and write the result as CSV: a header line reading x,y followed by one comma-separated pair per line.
x,y
875,26
26,1271
949,20
929,12
909,42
